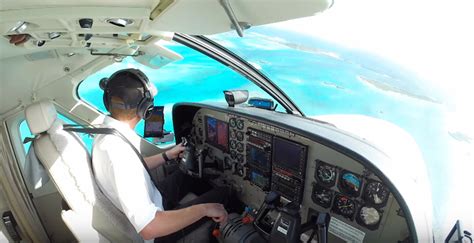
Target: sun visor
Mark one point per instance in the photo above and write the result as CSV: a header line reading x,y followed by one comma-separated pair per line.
x,y
156,56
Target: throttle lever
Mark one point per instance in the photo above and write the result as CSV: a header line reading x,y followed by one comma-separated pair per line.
x,y
184,141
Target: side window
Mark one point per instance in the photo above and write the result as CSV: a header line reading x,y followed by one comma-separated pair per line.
x,y
196,78
25,133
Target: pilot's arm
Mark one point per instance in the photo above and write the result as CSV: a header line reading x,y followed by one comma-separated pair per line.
x,y
159,159
132,187
167,222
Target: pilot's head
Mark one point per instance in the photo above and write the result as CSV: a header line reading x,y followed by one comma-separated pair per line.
x,y
128,95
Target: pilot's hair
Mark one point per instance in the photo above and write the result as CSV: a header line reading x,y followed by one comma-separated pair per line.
x,y
125,94
121,114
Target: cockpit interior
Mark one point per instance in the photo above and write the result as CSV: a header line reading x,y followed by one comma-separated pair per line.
x,y
324,177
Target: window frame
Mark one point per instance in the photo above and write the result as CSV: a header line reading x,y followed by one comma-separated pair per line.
x,y
235,63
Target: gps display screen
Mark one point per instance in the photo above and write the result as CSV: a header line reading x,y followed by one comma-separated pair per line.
x,y
154,124
217,133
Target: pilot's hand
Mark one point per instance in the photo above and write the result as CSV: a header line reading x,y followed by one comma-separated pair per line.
x,y
216,211
176,151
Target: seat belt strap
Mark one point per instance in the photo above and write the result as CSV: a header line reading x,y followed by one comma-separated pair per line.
x,y
108,131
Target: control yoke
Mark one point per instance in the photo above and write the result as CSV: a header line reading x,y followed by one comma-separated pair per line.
x,y
192,162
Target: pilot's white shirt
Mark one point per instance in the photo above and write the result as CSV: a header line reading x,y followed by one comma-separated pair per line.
x,y
122,177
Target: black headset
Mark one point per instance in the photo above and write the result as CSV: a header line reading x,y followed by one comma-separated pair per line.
x,y
144,106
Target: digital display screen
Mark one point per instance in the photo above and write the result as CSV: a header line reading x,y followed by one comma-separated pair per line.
x,y
288,154
217,133
259,179
258,157
154,124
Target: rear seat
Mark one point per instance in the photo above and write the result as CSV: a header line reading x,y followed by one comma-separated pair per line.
x,y
91,217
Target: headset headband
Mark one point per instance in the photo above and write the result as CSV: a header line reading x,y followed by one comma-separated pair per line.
x,y
145,105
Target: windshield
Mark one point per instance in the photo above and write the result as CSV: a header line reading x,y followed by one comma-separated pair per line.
x,y
195,78
345,75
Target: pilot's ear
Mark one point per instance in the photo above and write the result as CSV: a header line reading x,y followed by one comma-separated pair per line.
x,y
103,83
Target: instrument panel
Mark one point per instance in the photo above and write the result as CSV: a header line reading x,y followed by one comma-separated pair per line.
x,y
255,157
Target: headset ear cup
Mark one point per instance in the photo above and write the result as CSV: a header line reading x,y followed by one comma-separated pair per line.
x,y
148,112
103,83
144,106
105,99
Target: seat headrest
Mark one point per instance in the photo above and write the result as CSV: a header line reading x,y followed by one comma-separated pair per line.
x,y
40,116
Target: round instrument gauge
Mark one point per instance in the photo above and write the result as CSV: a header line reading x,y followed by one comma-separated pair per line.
x,y
240,147
369,217
232,122
240,124
233,144
233,154
240,158
376,193
232,134
350,183
240,135
322,196
344,206
326,174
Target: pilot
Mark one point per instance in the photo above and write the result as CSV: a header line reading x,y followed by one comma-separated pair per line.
x,y
153,210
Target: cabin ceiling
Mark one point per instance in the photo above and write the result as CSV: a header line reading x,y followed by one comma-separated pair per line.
x,y
148,17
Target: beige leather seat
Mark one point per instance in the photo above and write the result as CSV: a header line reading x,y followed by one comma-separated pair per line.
x,y
91,217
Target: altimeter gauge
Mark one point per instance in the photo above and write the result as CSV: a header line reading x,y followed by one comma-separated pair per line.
x,y
376,193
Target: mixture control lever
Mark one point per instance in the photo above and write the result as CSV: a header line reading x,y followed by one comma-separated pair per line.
x,y
184,141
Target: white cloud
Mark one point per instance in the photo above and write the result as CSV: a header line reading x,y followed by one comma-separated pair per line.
x,y
265,45
432,38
